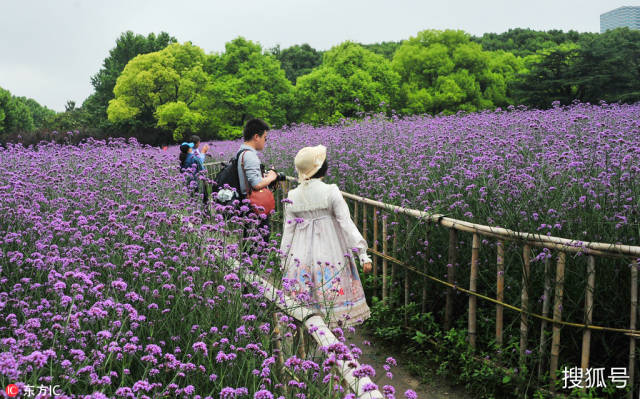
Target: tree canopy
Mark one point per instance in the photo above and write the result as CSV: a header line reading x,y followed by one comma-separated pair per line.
x,y
522,42
21,114
127,47
164,89
444,71
350,80
245,83
157,90
297,60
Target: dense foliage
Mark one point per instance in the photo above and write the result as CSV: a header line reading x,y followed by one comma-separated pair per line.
x,y
351,80
446,72
128,46
21,115
439,72
297,60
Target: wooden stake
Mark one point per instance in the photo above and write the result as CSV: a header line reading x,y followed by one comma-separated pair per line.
x,y
364,221
384,260
301,349
375,248
277,345
557,316
393,265
451,271
425,269
524,302
588,311
500,293
355,212
632,326
473,282
545,312
406,297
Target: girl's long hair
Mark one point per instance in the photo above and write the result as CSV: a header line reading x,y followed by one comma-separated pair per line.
x,y
184,152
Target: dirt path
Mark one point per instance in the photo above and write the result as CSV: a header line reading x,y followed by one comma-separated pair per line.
x,y
375,355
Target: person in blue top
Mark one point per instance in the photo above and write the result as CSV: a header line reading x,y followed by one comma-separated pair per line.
x,y
196,147
190,162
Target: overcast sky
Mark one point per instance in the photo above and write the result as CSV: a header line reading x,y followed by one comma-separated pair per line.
x,y
49,49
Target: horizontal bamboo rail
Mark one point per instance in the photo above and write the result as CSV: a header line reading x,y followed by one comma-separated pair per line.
x,y
564,244
550,242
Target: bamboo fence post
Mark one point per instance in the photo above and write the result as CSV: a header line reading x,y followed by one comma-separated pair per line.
x,y
393,264
364,221
301,350
588,311
355,212
500,293
384,259
473,281
632,326
406,277
524,302
545,312
277,345
375,248
406,297
557,316
451,271
425,269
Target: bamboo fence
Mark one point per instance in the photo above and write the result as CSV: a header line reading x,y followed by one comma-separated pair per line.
x,y
374,219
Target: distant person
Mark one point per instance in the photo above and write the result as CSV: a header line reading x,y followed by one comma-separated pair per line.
x,y
318,243
255,138
196,144
193,164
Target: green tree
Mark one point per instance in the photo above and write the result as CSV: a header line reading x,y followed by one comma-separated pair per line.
x,y
297,60
15,116
385,49
245,83
607,67
162,89
523,42
350,80
128,46
72,119
39,114
444,71
548,77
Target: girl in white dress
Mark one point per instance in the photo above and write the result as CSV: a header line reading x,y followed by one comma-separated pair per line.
x,y
320,243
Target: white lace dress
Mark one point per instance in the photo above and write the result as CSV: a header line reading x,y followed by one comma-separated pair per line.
x,y
319,243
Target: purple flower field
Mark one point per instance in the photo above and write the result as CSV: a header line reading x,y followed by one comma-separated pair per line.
x,y
110,285
569,171
109,282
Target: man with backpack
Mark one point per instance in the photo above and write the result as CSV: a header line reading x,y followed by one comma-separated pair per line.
x,y
248,170
255,138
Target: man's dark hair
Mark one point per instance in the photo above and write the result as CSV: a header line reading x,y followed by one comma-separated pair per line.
x,y
322,172
254,126
195,139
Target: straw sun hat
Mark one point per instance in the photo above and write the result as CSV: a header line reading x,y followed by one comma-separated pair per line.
x,y
309,160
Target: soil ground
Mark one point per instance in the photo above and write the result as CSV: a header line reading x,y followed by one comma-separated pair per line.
x,y
376,354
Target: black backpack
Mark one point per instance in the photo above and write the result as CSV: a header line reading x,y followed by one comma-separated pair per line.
x,y
228,175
